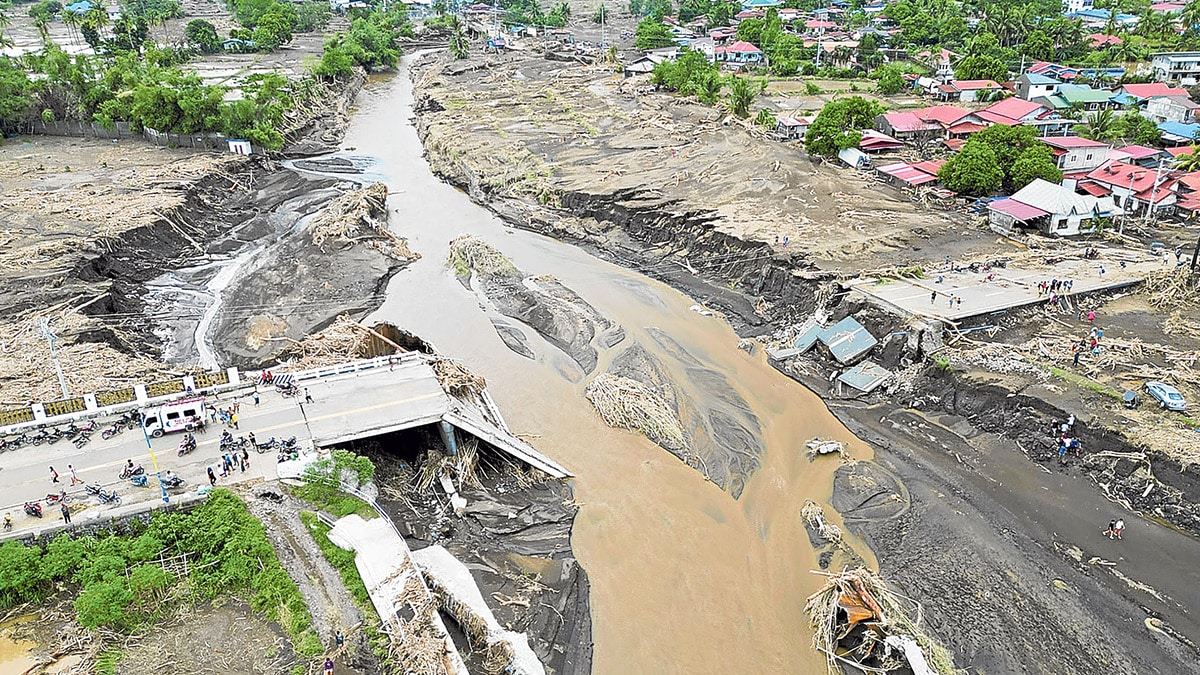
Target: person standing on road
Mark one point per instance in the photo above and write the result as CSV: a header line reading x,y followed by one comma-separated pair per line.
x,y
212,477
74,478
933,297
53,475
233,420
255,398
307,396
1119,527
66,514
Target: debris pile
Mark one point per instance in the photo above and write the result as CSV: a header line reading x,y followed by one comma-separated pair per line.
x,y
629,404
456,380
814,515
862,625
27,371
818,446
345,339
1171,287
359,216
470,254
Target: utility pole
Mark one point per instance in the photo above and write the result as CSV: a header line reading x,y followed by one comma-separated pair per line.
x,y
44,324
1153,191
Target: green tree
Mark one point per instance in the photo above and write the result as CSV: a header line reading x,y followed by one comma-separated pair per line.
x,y
311,16
104,604
1101,126
1038,46
837,125
741,95
975,170
1136,129
601,14
691,75
14,99
1034,162
202,35
652,33
765,118
459,45
274,28
723,12
981,67
891,80
19,576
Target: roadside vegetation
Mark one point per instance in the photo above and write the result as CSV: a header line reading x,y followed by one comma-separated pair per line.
x,y
133,78
125,583
692,75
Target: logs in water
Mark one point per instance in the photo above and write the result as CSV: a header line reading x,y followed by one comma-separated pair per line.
x,y
468,254
359,216
629,404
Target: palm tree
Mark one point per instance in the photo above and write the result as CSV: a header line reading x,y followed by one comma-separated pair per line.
x,y
1125,52
1189,162
1190,16
72,20
1101,126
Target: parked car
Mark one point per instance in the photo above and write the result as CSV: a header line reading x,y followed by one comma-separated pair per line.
x,y
1168,397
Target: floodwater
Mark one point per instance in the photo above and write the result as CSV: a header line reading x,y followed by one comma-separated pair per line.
x,y
16,655
685,579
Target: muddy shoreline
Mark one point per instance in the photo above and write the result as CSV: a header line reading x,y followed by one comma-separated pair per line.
x,y
999,560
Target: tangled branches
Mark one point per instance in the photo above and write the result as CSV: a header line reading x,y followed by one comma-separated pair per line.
x,y
356,216
628,404
1171,287
469,254
456,380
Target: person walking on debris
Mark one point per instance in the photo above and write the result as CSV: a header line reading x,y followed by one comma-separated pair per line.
x,y
328,666
1119,527
212,477
1112,529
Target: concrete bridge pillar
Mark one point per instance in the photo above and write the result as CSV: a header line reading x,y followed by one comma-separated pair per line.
x,y
447,431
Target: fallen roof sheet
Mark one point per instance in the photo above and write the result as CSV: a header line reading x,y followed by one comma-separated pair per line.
x,y
847,339
1016,209
865,377
809,334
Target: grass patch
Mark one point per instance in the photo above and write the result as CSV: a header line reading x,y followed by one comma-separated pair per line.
x,y
882,281
107,661
1188,421
343,561
942,363
1085,382
334,502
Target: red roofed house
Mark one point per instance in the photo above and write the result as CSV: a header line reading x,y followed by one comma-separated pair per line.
x,y
1150,90
739,52
873,141
1075,153
1050,207
906,126
1189,193
1133,187
968,90
911,175
1013,111
1099,40
955,122
819,25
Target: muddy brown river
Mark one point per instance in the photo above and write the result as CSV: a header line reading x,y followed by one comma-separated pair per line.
x,y
685,578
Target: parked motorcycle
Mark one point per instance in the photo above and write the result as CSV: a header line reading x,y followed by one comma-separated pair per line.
x,y
82,439
58,498
33,509
109,432
263,447
139,480
287,389
173,482
109,497
42,436
88,428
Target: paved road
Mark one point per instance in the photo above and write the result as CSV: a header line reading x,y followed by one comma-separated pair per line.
x,y
25,473
1012,286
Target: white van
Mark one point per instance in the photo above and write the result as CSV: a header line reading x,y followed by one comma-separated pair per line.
x,y
179,416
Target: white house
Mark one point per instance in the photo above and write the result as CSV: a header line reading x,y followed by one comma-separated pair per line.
x,y
1171,109
1031,85
1183,67
1050,207
1072,6
1075,153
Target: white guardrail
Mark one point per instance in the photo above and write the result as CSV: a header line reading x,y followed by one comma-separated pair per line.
x,y
238,380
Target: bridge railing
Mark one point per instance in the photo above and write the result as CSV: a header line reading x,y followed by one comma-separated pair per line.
x,y
38,415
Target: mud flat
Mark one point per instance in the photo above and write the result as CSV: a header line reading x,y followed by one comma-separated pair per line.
x,y
962,504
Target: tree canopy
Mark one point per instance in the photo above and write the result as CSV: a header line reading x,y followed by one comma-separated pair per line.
x,y
837,125
999,157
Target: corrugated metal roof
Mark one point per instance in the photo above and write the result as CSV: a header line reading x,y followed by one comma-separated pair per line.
x,y
809,334
865,377
1056,199
1016,209
847,339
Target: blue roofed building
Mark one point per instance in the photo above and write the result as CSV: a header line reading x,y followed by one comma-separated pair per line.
x,y
1178,133
81,7
847,340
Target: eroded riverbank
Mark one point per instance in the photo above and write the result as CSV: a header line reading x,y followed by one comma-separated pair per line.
x,y
961,485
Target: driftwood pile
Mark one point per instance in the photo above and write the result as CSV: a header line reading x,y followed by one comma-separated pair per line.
x,y
344,340
1172,287
456,380
628,404
359,216
862,624
468,254
27,372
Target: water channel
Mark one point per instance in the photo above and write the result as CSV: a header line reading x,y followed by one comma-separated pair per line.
x,y
685,578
